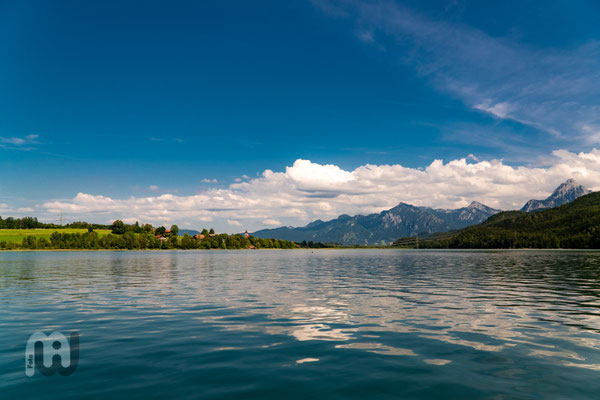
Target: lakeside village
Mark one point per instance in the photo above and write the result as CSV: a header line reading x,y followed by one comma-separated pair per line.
x,y
118,235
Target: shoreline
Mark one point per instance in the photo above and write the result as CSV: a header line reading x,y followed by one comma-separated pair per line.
x,y
312,250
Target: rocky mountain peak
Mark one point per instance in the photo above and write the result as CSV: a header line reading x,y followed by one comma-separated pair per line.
x,y
476,205
570,185
565,193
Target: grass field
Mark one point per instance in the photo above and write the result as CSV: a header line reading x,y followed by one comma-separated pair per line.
x,y
17,235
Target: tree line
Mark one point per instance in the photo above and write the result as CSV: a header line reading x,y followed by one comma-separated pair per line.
x,y
33,223
139,237
141,241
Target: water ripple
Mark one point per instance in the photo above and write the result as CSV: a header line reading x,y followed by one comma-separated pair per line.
x,y
166,318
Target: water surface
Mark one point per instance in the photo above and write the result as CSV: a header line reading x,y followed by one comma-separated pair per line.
x,y
300,324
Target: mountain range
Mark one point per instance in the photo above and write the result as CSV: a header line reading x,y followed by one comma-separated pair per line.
x,y
383,227
407,220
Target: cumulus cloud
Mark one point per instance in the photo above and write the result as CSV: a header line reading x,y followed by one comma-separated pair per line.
x,y
16,211
206,180
306,191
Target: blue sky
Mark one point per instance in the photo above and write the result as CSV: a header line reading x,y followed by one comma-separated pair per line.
x,y
134,100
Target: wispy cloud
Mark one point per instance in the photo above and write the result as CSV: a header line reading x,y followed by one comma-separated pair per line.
x,y
514,146
553,90
18,143
166,139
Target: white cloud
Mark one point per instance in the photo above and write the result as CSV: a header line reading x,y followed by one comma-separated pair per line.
x,y
306,191
206,180
311,174
153,187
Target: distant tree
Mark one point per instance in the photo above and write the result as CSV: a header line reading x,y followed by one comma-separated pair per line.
x,y
118,227
175,230
160,230
136,227
187,242
172,242
212,231
147,228
204,232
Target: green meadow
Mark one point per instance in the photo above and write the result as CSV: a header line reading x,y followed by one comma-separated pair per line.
x,y
17,235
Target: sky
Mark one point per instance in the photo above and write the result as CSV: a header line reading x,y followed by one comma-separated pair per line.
x,y
244,115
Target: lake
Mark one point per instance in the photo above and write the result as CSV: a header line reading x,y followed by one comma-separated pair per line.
x,y
298,324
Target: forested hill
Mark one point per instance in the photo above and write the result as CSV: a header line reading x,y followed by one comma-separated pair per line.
x,y
574,225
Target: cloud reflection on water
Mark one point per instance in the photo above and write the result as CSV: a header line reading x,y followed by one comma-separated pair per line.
x,y
545,303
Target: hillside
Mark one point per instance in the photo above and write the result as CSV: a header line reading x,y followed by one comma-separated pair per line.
x,y
573,225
